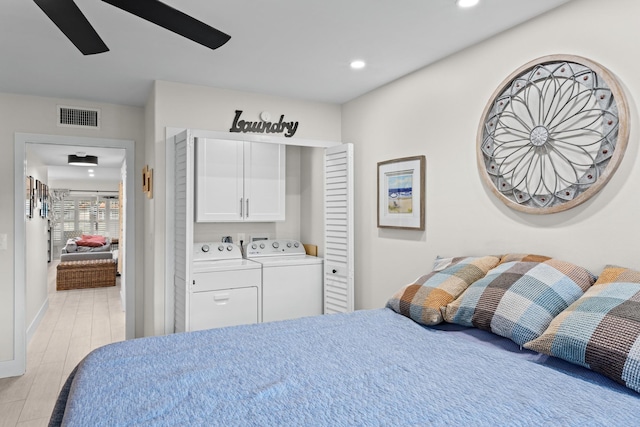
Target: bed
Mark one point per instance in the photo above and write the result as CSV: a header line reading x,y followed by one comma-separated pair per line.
x,y
371,367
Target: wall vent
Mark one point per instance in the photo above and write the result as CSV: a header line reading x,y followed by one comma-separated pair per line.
x,y
78,117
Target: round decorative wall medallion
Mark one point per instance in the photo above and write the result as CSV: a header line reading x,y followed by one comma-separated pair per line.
x,y
553,134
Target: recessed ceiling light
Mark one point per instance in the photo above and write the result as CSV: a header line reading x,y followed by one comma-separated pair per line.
x,y
91,175
90,170
466,3
358,64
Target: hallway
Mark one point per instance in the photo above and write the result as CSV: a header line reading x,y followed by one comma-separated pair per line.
x,y
76,322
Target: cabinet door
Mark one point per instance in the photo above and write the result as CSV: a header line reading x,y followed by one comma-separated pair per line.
x,y
264,186
338,229
226,307
219,180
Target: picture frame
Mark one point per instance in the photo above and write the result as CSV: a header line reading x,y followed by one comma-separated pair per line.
x,y
38,191
147,181
44,200
28,197
401,194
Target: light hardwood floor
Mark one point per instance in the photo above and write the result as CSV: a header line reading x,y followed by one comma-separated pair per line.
x,y
76,322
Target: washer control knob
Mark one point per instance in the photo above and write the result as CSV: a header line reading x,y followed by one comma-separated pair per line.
x,y
229,248
296,244
205,248
254,246
261,245
288,244
221,248
275,245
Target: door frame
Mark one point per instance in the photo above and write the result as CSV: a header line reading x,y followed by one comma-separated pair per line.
x,y
192,134
17,366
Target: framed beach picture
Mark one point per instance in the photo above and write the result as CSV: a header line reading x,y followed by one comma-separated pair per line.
x,y
401,202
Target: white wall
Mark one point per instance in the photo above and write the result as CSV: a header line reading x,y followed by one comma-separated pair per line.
x,y
204,108
36,241
89,186
436,112
37,115
311,200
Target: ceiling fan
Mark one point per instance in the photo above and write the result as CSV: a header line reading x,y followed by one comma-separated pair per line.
x,y
72,22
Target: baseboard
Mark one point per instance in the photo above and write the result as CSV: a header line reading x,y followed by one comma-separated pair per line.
x,y
36,321
12,368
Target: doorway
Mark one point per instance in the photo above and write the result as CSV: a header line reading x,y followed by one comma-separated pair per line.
x,y
78,211
127,250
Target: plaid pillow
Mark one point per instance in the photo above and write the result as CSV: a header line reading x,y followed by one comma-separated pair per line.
x,y
518,299
523,258
601,330
422,300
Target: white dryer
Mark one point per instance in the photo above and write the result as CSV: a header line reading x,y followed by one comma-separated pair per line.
x,y
292,281
226,289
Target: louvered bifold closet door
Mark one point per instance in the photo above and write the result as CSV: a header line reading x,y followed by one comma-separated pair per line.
x,y
338,268
183,200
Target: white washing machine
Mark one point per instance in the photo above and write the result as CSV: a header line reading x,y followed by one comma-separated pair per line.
x,y
226,289
292,281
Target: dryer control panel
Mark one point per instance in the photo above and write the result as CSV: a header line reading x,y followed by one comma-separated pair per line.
x,y
278,247
210,251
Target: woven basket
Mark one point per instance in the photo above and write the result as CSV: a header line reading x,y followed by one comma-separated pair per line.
x,y
95,273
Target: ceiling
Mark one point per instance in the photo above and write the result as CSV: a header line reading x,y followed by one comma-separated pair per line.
x,y
290,48
55,157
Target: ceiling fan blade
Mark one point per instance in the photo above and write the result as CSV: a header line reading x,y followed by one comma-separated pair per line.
x,y
173,20
72,22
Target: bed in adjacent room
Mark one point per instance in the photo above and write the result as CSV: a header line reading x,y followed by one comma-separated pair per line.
x,y
370,367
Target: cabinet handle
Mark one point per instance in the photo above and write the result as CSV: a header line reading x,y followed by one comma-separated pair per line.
x,y
241,206
247,208
221,297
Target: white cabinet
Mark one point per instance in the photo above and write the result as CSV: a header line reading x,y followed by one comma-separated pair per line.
x,y
239,181
264,181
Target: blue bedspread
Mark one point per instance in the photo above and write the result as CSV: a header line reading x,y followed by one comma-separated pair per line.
x,y
368,368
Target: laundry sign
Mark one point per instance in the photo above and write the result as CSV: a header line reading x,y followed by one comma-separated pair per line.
x,y
263,126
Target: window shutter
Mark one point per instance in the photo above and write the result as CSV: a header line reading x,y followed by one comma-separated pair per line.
x,y
339,264
184,215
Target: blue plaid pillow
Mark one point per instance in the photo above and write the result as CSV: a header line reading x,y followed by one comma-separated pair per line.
x,y
518,299
601,330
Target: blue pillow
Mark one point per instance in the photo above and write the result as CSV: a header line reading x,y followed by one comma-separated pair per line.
x,y
601,330
518,299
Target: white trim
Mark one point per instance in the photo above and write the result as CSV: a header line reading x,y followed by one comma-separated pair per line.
x,y
253,137
36,322
123,286
170,133
17,365
169,305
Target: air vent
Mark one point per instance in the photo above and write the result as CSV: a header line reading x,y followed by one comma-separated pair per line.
x,y
78,117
